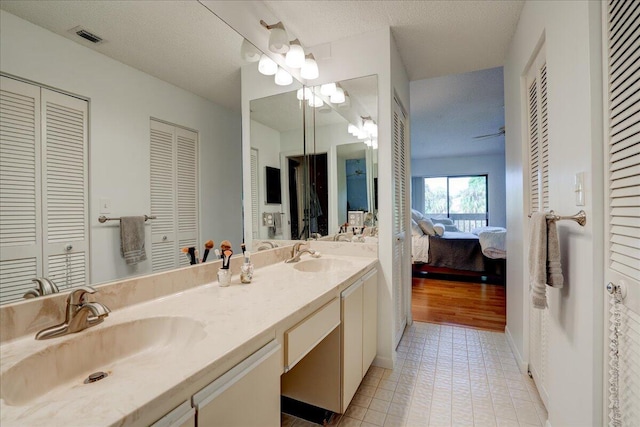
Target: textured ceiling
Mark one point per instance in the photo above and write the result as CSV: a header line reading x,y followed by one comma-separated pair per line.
x,y
435,38
448,112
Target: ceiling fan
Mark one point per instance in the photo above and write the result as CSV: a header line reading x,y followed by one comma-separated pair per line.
x,y
500,132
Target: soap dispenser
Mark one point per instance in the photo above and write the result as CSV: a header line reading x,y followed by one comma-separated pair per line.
x,y
246,270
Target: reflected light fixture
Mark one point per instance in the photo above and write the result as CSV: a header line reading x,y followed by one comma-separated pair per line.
x,y
328,89
304,93
309,70
338,96
249,52
295,55
347,101
352,129
278,39
316,101
283,78
267,66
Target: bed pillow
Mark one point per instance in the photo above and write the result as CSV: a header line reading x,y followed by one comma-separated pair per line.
x,y
438,229
479,230
443,221
416,215
415,229
426,226
451,227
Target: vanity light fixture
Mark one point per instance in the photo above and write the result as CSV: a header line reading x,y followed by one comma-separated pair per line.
x,y
369,126
295,55
249,52
328,89
338,96
309,70
278,39
283,78
352,129
267,66
315,101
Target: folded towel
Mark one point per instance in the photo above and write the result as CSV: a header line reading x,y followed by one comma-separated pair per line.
x,y
538,259
132,239
493,244
554,267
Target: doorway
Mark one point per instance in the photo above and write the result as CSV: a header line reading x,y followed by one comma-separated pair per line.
x,y
308,209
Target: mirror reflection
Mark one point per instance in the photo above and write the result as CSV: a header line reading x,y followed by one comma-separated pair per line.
x,y
333,173
160,135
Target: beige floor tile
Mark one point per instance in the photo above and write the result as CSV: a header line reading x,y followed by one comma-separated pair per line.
x,y
349,422
355,411
379,405
374,417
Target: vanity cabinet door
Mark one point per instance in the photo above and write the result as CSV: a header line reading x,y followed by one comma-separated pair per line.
x,y
182,416
352,300
369,319
247,395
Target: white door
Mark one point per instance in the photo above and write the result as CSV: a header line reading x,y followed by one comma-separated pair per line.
x,y
622,219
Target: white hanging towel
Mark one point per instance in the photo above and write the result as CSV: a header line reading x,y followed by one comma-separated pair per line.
x,y
132,239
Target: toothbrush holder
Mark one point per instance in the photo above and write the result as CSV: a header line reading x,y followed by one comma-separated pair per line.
x,y
224,277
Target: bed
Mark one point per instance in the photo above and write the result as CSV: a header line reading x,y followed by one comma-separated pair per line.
x,y
448,253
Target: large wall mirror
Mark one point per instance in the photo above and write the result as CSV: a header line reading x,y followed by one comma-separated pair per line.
x,y
175,63
325,160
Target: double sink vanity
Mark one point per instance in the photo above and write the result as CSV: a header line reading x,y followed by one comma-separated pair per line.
x,y
177,349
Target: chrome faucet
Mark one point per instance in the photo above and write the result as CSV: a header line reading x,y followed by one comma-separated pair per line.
x,y
80,314
341,237
45,287
296,252
267,244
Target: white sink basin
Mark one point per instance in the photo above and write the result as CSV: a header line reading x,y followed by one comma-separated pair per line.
x,y
321,264
69,360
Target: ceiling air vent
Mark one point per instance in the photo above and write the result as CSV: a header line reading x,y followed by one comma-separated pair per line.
x,y
86,34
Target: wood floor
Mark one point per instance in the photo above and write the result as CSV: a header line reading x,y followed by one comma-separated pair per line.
x,y
475,305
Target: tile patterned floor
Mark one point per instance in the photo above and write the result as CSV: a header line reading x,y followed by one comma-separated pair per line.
x,y
445,376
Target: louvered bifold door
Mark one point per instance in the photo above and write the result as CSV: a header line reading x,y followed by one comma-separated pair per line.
x,y
187,189
255,206
164,246
20,199
622,225
538,141
65,189
399,223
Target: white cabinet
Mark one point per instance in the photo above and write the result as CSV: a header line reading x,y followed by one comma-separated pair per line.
x,y
247,395
359,333
182,416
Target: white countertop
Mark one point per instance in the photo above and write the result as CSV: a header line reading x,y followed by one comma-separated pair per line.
x,y
236,320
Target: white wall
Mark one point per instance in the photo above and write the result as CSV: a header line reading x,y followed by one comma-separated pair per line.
x,y
122,100
491,165
571,33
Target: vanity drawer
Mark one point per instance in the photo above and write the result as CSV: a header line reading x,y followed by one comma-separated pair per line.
x,y
303,337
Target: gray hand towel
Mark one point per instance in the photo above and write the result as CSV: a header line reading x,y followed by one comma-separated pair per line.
x,y
538,259
132,239
554,267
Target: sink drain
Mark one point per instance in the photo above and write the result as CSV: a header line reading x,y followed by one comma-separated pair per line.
x,y
96,376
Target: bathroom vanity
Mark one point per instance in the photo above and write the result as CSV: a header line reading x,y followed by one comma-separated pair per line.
x,y
202,353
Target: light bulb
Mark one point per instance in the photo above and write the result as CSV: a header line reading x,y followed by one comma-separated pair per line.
x,y
362,134
347,101
283,78
278,39
328,89
352,129
309,70
367,142
249,52
295,56
369,126
338,96
267,66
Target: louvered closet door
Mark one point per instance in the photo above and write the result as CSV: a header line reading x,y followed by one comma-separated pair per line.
x,y
20,199
538,139
399,222
255,207
164,246
174,194
65,189
622,226
187,187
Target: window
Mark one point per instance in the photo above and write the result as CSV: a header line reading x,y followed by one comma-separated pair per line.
x,y
464,199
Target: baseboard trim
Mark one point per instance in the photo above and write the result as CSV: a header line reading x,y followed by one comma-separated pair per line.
x,y
383,362
524,367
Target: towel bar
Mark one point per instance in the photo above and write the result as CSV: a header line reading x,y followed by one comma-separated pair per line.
x,y
103,219
580,217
